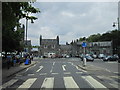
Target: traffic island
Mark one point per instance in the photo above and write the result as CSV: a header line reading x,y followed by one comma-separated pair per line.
x,y
89,67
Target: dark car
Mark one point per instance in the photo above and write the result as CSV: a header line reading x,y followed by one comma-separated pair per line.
x,y
89,58
110,58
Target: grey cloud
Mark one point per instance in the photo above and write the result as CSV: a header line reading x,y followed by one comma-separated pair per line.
x,y
72,20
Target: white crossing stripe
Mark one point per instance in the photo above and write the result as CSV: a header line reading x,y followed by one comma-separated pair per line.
x,y
110,80
48,83
94,83
9,83
70,83
28,83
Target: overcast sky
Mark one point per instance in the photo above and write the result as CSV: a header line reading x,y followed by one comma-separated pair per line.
x,y
71,21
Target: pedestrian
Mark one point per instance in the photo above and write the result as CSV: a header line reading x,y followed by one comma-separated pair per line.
x,y
8,60
31,57
18,58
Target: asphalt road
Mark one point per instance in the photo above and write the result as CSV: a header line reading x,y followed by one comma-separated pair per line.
x,y
64,73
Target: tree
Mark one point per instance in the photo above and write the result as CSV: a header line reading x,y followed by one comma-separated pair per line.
x,y
12,12
94,38
82,39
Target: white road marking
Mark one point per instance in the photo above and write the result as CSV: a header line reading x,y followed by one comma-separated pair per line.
x,y
41,67
79,72
48,83
54,73
28,83
116,72
52,67
53,63
34,65
107,70
70,83
27,69
67,73
43,73
9,83
31,74
110,81
63,66
94,83
30,67
80,69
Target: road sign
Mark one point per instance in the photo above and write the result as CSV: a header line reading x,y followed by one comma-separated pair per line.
x,y
84,44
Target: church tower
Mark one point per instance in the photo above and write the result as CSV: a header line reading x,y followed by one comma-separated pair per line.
x,y
57,40
40,39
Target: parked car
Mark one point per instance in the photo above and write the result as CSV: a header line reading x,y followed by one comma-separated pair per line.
x,y
110,58
88,58
67,56
101,56
94,56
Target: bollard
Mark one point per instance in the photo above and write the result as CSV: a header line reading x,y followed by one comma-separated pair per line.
x,y
84,62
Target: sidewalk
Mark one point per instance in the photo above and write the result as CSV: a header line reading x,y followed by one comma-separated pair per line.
x,y
13,70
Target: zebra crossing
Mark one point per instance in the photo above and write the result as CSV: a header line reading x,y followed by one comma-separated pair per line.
x,y
49,82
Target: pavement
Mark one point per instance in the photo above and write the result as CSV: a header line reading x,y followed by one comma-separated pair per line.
x,y
13,70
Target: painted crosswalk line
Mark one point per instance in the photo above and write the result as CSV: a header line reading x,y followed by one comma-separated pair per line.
x,y
28,83
110,80
94,83
70,83
48,83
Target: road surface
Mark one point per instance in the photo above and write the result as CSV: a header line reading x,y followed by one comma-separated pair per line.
x,y
64,73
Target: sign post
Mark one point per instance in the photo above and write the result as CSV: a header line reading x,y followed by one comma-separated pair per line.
x,y
84,59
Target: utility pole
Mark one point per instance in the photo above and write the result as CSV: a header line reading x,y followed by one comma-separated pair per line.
x,y
118,23
26,28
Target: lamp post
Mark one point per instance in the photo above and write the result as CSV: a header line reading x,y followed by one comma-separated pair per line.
x,y
26,28
114,23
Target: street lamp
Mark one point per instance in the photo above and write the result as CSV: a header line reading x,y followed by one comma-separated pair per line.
x,y
114,23
26,27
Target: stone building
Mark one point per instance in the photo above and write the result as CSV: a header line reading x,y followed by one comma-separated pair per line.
x,y
100,47
51,47
65,50
97,48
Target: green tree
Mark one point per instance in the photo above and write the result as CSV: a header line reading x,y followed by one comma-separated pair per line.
x,y
12,12
94,37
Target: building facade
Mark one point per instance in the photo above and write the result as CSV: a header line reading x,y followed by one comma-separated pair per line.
x,y
50,47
